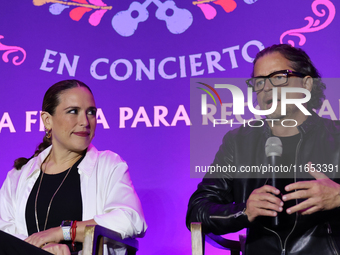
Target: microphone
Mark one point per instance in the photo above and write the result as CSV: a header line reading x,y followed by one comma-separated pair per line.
x,y
273,149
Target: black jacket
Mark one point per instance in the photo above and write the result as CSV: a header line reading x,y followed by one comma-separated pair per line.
x,y
226,194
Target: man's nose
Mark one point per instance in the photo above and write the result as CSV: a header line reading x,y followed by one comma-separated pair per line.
x,y
267,85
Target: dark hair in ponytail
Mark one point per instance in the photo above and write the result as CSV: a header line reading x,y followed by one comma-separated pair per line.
x,y
50,103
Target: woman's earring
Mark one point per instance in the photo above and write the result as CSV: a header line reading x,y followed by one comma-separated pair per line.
x,y
48,133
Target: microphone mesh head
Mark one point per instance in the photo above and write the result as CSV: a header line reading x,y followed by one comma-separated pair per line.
x,y
273,147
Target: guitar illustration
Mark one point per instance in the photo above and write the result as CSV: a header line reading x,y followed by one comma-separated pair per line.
x,y
126,22
177,20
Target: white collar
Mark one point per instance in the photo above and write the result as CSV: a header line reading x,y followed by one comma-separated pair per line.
x,y
86,166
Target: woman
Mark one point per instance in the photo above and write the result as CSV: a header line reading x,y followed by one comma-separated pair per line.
x,y
69,180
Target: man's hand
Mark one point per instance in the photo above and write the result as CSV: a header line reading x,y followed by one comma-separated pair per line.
x,y
57,249
320,194
38,239
262,202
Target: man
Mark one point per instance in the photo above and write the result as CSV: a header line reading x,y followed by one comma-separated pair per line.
x,y
307,208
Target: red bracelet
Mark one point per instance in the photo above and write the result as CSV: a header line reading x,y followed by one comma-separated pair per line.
x,y
74,232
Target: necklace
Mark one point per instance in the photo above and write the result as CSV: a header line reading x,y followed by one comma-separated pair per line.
x,y
49,206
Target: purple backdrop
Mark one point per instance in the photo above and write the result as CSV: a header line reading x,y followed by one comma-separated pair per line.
x,y
138,58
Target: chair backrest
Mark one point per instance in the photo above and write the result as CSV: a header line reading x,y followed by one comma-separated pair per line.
x,y
198,239
96,236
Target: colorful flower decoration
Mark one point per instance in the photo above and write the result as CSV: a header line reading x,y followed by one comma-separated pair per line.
x,y
210,12
80,7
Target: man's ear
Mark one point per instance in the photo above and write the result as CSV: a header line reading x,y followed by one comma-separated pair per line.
x,y
47,120
307,83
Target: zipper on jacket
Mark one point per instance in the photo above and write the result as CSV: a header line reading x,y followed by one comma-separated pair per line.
x,y
283,248
296,215
234,215
329,230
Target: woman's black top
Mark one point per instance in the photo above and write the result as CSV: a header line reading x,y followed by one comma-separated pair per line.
x,y
66,205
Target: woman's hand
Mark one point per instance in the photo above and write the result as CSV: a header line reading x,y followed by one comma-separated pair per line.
x,y
52,235
57,249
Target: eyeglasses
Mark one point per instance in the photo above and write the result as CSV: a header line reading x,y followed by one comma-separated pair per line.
x,y
277,79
